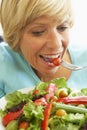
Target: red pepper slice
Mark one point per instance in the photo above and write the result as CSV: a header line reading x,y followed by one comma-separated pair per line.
x,y
74,100
47,111
51,89
11,116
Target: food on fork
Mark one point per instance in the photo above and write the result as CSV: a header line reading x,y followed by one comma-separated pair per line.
x,y
57,61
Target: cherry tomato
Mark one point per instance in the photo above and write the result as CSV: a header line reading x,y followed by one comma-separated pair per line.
x,y
61,112
56,61
36,92
24,125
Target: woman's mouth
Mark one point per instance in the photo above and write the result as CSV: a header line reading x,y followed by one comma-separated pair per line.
x,y
50,58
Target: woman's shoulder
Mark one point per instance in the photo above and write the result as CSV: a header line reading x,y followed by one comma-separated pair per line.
x,y
3,47
3,50
8,57
6,52
3,44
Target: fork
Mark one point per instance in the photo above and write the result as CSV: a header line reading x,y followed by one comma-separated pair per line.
x,y
72,66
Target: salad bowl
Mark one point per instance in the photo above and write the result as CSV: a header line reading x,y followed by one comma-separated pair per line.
x,y
50,106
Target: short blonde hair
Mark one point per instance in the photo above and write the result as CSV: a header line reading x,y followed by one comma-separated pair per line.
x,y
16,14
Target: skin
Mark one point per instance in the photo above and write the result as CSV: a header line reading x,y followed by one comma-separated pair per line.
x,y
46,37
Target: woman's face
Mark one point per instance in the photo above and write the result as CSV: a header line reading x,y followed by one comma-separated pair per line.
x,y
43,40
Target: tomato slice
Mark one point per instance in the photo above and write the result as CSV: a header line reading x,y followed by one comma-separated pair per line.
x,y
41,101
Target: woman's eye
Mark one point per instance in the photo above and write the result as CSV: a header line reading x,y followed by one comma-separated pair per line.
x,y
62,28
37,33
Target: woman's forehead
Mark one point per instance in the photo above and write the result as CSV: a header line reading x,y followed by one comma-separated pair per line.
x,y
46,19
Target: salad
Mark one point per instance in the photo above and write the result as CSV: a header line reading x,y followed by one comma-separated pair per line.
x,y
49,106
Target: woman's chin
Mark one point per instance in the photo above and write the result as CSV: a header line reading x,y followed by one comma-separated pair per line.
x,y
50,71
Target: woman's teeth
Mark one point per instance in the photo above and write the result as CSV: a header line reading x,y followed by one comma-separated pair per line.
x,y
53,56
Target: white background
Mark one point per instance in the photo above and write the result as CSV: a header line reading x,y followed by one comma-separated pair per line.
x,y
79,30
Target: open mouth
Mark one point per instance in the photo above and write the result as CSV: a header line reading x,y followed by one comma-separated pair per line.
x,y
50,58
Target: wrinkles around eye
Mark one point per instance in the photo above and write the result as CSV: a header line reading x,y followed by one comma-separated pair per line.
x,y
38,33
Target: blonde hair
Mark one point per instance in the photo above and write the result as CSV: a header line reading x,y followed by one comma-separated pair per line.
x,y
16,14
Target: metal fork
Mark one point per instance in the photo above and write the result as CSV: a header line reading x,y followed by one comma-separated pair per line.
x,y
72,66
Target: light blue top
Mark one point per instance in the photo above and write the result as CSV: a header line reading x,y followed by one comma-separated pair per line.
x,y
16,73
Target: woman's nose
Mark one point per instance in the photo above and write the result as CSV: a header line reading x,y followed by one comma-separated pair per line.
x,y
54,40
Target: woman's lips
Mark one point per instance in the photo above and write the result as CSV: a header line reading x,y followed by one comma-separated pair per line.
x,y
50,58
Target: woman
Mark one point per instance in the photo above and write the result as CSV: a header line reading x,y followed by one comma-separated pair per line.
x,y
35,32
